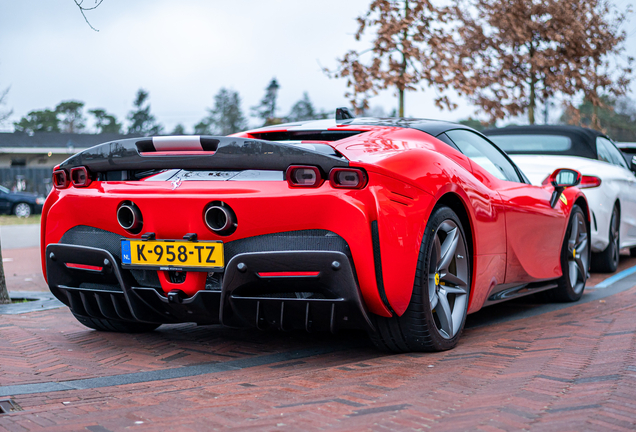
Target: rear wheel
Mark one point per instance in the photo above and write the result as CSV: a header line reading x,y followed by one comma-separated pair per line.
x,y
115,326
22,210
607,261
575,256
436,313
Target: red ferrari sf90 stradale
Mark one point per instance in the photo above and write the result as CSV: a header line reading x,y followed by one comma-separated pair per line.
x,y
401,227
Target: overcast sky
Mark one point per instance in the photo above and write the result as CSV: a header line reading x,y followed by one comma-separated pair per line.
x,y
183,52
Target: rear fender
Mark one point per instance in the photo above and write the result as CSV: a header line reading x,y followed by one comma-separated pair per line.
x,y
397,235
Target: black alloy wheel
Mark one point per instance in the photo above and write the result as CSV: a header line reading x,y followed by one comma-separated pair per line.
x,y
607,261
575,259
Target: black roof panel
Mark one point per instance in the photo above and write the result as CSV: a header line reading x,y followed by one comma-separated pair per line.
x,y
431,127
583,139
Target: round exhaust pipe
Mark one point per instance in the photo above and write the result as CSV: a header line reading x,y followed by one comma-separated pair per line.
x,y
129,217
220,218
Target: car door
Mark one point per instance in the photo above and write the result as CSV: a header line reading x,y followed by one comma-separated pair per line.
x,y
534,230
626,188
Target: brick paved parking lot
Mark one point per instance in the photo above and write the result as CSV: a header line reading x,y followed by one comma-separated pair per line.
x,y
517,366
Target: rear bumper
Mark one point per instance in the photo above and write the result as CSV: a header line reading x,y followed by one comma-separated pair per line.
x,y
329,300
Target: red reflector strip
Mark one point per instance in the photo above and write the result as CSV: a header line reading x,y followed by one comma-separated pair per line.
x,y
83,267
177,152
177,143
289,274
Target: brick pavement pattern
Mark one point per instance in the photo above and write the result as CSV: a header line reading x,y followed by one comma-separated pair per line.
x,y
568,370
23,269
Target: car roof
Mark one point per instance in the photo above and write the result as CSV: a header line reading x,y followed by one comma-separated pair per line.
x,y
583,139
431,127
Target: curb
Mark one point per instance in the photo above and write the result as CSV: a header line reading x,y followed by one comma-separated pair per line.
x,y
38,301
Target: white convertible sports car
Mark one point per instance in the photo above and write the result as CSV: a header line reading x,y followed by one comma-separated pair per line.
x,y
608,181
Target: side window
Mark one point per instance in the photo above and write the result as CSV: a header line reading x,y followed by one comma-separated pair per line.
x,y
444,138
484,154
603,151
614,154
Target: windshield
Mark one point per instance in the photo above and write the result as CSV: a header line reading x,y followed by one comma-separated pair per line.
x,y
532,144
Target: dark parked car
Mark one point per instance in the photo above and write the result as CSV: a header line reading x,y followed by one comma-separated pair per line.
x,y
21,204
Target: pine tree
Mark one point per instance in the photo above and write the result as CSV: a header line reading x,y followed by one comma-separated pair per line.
x,y
178,130
302,110
266,110
39,121
225,118
142,122
104,122
71,117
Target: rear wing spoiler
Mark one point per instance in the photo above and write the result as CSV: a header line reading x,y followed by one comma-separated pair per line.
x,y
198,152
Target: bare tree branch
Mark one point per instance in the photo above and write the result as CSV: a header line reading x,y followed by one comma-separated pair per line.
x,y
83,9
4,114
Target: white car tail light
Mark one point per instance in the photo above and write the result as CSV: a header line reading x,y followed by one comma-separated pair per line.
x,y
589,182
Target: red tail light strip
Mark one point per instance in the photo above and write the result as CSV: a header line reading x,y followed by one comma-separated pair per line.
x,y
83,267
588,182
288,274
182,153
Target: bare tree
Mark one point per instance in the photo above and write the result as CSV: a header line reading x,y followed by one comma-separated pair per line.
x,y
4,114
4,295
83,9
512,55
409,47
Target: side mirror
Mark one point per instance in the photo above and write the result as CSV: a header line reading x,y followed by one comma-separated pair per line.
x,y
632,164
562,179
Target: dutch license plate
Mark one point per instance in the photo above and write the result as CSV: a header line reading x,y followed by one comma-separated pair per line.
x,y
173,254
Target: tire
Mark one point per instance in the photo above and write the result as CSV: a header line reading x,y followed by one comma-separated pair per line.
x,y
103,324
423,327
22,210
575,258
607,261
